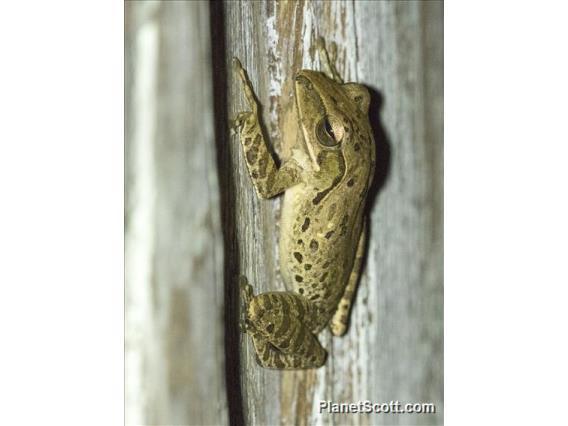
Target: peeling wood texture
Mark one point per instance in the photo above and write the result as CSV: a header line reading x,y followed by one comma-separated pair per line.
x,y
174,249
394,348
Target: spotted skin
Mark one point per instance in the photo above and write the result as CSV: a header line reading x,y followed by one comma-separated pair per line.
x,y
338,324
325,182
267,178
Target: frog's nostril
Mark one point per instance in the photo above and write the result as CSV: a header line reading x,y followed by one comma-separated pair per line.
x,y
304,81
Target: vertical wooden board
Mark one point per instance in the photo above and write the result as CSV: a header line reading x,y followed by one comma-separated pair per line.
x,y
254,219
393,350
404,275
174,249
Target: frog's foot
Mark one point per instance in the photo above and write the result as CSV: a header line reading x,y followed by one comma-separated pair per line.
x,y
246,293
240,120
246,121
281,328
333,52
338,326
320,45
268,356
328,65
247,86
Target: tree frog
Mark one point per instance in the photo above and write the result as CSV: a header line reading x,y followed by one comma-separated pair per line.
x,y
322,231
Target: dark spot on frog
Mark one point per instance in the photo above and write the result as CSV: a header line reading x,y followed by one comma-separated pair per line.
x,y
306,224
298,256
299,278
326,264
247,141
262,164
270,328
357,147
300,242
301,291
307,266
254,175
251,155
314,297
329,234
320,195
347,129
323,277
350,182
314,245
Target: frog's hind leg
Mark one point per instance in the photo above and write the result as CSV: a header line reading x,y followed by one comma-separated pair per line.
x,y
282,331
338,324
269,356
328,65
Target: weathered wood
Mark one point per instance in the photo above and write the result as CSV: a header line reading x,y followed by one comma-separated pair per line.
x,y
178,371
174,252
394,348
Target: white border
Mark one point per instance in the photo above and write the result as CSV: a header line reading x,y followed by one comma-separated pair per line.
x,y
506,211
61,226
61,214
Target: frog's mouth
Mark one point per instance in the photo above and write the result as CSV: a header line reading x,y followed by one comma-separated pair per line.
x,y
305,95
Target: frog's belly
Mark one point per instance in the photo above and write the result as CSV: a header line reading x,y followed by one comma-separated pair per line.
x,y
315,257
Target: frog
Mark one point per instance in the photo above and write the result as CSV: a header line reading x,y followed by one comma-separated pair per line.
x,y
325,182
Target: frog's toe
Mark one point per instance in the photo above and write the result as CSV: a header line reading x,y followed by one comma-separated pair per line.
x,y
247,294
333,47
237,66
244,326
338,327
246,290
239,121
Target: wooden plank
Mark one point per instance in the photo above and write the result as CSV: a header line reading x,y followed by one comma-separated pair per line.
x,y
174,248
394,348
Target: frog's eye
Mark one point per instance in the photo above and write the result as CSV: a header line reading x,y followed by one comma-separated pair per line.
x,y
329,131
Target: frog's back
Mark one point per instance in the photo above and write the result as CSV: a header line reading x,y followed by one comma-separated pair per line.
x,y
317,247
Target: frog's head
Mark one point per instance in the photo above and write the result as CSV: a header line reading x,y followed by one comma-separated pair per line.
x,y
334,118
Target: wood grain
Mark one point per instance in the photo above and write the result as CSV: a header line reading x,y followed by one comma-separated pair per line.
x,y
174,247
194,222
394,348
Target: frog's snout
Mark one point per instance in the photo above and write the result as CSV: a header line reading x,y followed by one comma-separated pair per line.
x,y
303,81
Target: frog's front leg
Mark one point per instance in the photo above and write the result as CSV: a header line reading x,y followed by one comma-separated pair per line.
x,y
281,325
267,178
328,65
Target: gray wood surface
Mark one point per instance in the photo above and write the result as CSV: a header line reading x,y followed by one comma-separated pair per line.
x,y
174,249
394,348
194,223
